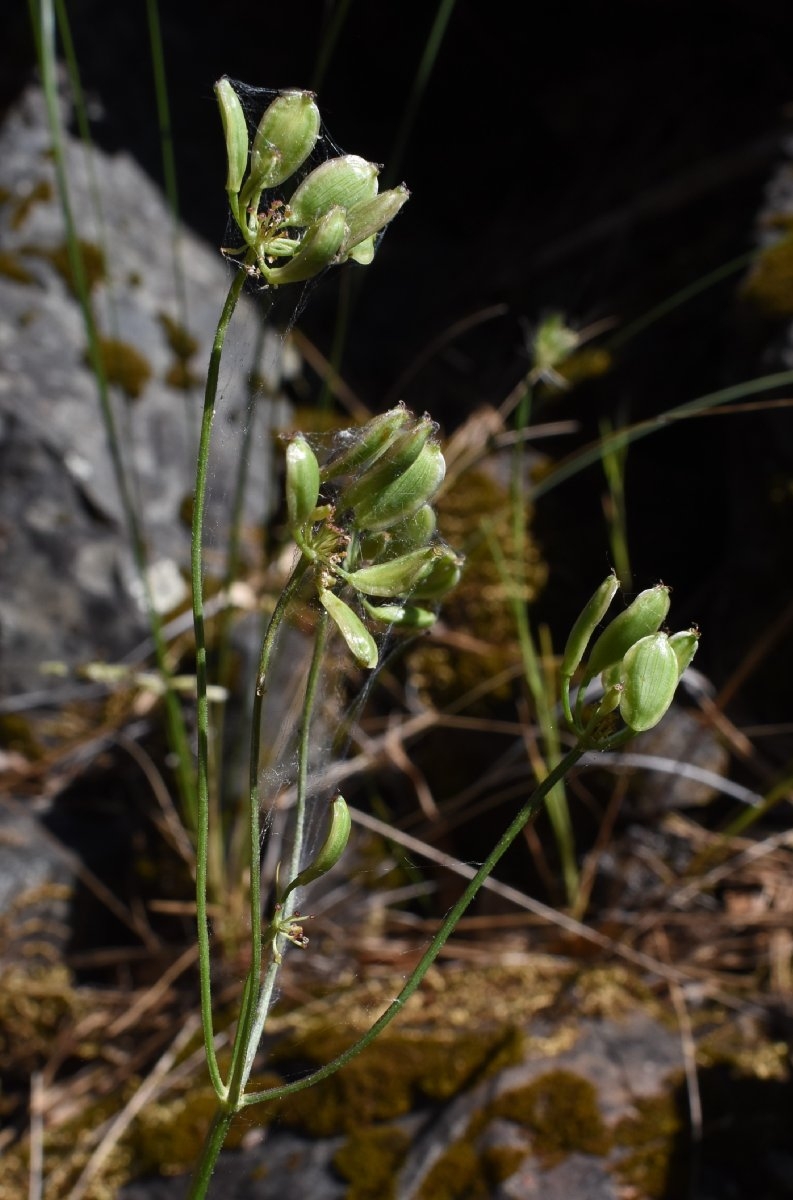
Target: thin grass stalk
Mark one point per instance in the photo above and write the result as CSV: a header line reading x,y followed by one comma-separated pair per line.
x,y
557,806
593,453
169,178
420,80
614,463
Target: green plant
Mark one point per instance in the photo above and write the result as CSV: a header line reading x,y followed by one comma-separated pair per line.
x,y
364,527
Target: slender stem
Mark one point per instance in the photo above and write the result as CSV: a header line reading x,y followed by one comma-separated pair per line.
x,y
202,711
526,814
218,1131
268,985
251,992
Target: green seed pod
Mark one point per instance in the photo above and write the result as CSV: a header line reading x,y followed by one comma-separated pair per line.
x,y
407,616
345,182
649,679
610,700
685,646
365,445
358,638
392,503
302,481
235,130
317,251
416,530
363,252
286,135
443,576
586,624
331,849
401,453
366,220
397,577
642,617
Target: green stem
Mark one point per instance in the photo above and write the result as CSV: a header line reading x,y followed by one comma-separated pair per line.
x,y
250,998
268,985
218,1132
202,711
526,814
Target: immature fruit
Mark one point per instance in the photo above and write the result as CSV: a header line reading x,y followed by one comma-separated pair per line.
x,y
685,646
367,444
586,624
332,848
345,181
302,481
392,503
235,130
649,679
366,220
317,251
402,452
396,577
406,616
286,135
358,638
642,617
443,575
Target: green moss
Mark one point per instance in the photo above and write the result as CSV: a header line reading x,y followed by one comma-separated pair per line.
x,y
390,1078
653,1163
124,366
40,193
768,288
369,1161
12,267
561,1111
458,1175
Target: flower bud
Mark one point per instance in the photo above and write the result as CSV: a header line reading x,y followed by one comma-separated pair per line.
x,y
368,443
685,646
407,616
358,638
396,577
586,624
388,503
441,578
317,251
365,220
345,182
302,481
642,617
235,130
332,848
286,135
649,679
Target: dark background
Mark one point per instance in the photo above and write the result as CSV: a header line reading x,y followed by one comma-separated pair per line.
x,y
596,159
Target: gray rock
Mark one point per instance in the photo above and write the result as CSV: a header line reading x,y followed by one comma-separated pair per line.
x,y
70,589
